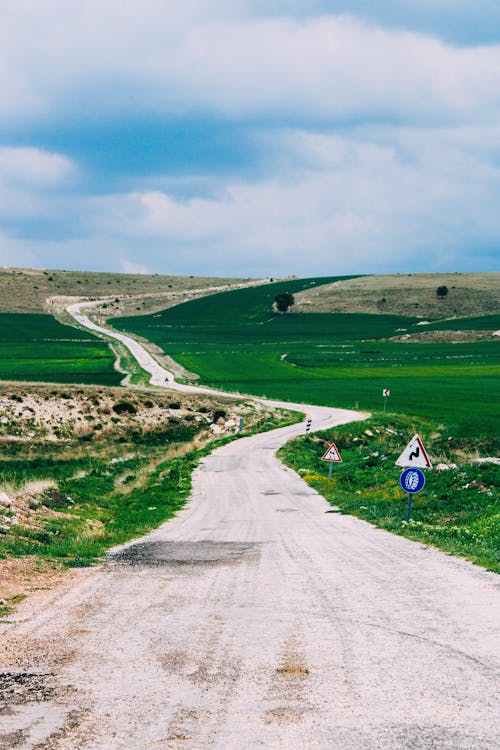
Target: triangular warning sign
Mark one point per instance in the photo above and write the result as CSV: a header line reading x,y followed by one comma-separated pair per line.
x,y
332,454
414,455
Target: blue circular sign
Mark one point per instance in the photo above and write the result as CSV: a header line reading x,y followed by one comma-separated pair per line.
x,y
412,480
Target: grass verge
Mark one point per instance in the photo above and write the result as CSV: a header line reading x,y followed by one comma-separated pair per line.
x,y
459,508
92,502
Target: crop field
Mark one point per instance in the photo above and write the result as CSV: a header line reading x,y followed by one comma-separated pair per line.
x,y
483,323
36,347
236,341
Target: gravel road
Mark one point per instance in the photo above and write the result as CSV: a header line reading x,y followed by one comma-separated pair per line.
x,y
258,618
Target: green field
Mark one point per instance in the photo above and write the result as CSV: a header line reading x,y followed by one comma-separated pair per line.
x,y
36,347
482,323
235,341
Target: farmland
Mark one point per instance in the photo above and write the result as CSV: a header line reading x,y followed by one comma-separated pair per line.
x,y
236,341
36,347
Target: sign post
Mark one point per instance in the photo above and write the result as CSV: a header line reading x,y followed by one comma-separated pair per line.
x,y
332,455
308,425
413,459
411,481
386,393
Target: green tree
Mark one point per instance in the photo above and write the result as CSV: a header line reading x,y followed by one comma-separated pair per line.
x,y
283,301
442,291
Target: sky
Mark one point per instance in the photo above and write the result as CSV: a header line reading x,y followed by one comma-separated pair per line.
x,y
250,138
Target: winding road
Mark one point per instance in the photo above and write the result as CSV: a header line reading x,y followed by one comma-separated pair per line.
x,y
259,618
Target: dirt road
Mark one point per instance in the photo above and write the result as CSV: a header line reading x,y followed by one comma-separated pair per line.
x,y
257,618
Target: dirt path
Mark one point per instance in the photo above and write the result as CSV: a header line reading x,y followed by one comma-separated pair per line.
x,y
258,619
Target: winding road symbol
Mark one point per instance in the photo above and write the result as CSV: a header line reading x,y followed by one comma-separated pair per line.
x,y
414,455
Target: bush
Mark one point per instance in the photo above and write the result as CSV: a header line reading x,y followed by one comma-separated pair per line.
x,y
442,291
283,302
124,407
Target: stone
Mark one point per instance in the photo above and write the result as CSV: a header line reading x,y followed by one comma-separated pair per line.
x,y
5,500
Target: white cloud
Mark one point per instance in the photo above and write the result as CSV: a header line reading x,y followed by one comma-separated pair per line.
x,y
349,204
34,167
32,183
137,268
177,58
15,253
367,197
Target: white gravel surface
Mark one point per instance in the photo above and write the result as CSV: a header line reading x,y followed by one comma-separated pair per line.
x,y
257,619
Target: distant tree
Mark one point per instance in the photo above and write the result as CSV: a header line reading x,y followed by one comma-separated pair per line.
x,y
283,302
442,291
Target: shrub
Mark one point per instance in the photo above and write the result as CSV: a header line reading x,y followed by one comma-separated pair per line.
x,y
442,291
124,407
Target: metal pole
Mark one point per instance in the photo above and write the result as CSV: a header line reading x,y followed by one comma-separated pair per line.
x,y
330,469
408,509
385,403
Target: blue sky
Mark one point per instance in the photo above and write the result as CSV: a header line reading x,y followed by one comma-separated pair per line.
x,y
220,137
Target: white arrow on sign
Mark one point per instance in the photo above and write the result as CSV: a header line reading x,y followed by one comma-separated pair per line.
x,y
332,454
414,455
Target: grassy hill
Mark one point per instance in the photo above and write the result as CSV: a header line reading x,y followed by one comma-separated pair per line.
x,y
27,290
468,294
35,347
236,341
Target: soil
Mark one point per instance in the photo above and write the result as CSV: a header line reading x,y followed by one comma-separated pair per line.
x,y
23,576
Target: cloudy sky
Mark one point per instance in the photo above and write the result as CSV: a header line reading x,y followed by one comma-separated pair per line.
x,y
250,137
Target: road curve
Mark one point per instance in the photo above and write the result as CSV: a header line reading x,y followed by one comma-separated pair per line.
x,y
258,618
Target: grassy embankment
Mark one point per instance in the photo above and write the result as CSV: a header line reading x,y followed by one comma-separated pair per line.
x,y
236,342
459,508
85,468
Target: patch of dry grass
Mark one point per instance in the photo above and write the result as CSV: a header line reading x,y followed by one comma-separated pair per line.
x,y
61,414
469,294
24,290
